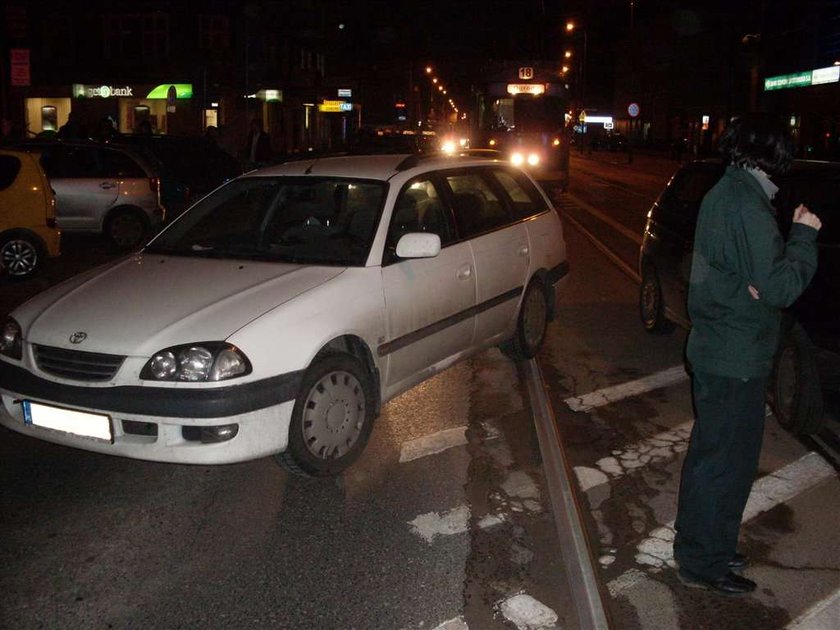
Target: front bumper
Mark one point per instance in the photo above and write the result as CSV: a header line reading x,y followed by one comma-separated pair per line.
x,y
169,417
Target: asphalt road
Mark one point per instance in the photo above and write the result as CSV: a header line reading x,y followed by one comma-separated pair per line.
x,y
412,538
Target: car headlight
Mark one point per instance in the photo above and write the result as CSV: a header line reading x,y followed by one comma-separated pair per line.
x,y
11,339
448,147
517,159
533,159
196,363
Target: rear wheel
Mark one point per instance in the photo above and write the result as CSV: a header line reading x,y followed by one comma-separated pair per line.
x,y
126,228
794,392
651,306
332,417
20,256
531,324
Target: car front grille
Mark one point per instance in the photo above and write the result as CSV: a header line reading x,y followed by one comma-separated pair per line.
x,y
80,366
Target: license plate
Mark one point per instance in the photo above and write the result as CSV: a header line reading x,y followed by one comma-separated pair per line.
x,y
90,425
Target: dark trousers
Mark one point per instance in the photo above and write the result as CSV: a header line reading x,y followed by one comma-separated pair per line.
x,y
718,471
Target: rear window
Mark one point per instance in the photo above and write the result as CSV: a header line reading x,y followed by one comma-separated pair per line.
x,y
119,164
9,169
680,202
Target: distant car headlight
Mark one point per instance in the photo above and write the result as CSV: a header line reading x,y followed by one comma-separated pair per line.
x,y
464,142
11,340
517,159
196,363
533,159
448,147
492,142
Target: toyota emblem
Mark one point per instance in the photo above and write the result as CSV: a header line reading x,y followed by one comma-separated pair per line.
x,y
78,337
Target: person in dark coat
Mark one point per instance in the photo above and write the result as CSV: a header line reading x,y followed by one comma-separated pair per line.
x,y
73,129
743,273
258,147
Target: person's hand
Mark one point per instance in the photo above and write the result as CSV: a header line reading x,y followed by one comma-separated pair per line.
x,y
806,217
753,292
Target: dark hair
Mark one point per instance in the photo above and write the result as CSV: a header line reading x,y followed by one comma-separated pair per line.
x,y
757,141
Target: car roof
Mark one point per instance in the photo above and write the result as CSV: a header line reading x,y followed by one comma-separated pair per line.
x,y
378,167
797,167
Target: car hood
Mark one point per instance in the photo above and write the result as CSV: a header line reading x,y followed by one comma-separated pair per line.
x,y
148,302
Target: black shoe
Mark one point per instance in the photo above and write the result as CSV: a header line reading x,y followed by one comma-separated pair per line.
x,y
739,561
729,584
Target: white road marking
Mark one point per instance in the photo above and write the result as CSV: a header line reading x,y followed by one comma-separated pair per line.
x,y
821,616
433,444
608,395
441,441
527,613
433,524
453,624
656,551
660,447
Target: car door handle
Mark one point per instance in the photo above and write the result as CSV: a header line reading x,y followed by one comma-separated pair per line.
x,y
106,185
464,273
522,251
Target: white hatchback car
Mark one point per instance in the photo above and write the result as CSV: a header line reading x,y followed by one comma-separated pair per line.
x,y
279,313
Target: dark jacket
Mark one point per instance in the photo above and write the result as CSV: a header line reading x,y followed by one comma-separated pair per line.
x,y
737,243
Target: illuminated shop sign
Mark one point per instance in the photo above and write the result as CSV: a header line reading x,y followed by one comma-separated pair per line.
x,y
270,96
81,90
526,88
803,79
182,90
335,106
345,93
101,91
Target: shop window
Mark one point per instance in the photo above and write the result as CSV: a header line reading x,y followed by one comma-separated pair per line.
x,y
49,118
136,35
213,32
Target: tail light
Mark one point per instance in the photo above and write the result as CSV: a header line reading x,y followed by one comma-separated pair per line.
x,y
154,183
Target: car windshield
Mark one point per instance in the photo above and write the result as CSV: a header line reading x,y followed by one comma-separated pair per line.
x,y
307,220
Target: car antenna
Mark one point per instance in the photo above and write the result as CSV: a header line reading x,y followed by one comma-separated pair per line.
x,y
311,166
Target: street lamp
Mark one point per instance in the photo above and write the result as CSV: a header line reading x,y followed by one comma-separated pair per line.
x,y
571,27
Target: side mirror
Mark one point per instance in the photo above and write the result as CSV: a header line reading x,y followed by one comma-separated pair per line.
x,y
418,245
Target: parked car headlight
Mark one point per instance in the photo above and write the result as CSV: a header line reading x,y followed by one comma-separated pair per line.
x,y
11,339
197,362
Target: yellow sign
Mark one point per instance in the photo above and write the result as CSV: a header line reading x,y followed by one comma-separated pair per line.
x,y
330,106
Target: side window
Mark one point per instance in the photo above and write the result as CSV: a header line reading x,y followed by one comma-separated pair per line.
x,y
477,207
526,199
9,169
73,162
679,204
118,164
822,196
419,208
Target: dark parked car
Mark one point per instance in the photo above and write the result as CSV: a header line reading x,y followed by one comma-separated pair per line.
x,y
808,358
190,166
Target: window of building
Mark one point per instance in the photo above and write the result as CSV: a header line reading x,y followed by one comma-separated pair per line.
x,y
136,36
213,32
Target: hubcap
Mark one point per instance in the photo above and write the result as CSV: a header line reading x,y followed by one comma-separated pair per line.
x,y
19,257
649,300
534,318
334,415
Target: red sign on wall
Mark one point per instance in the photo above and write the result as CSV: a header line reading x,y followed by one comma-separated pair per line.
x,y
19,61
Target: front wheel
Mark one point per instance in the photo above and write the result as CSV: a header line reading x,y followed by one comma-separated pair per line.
x,y
20,256
531,324
794,391
651,305
332,418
